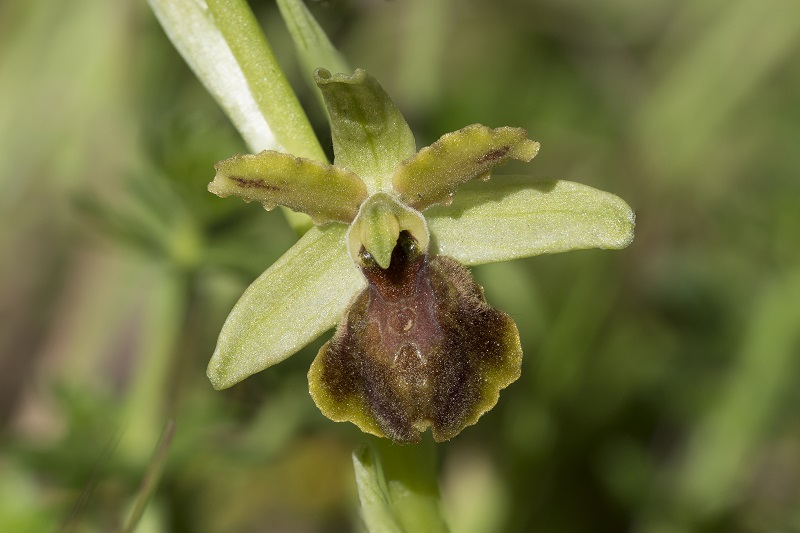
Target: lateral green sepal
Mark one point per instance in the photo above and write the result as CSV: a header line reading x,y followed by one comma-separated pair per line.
x,y
516,216
295,300
325,192
370,136
432,175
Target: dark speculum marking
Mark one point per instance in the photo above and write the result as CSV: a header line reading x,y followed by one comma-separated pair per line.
x,y
253,184
494,155
418,348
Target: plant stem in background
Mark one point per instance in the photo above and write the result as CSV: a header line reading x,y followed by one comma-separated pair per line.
x,y
151,477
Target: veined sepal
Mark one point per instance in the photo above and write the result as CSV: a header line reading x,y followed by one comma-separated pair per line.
x,y
325,192
432,175
370,135
517,216
299,297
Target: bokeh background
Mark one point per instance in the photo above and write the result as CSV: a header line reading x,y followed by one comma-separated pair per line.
x,y
660,383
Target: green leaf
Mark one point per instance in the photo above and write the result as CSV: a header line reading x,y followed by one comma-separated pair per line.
x,y
313,46
370,136
223,44
514,217
271,89
324,192
433,175
299,297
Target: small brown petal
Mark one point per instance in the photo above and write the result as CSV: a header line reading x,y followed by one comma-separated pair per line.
x,y
418,348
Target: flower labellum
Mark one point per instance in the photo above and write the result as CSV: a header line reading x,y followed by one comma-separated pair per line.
x,y
416,346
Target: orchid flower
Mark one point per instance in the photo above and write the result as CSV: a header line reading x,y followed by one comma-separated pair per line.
x,y
416,346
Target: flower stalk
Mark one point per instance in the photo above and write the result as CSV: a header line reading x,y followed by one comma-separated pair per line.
x,y
397,487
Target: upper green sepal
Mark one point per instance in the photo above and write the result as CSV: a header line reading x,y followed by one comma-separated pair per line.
x,y
370,135
432,176
325,192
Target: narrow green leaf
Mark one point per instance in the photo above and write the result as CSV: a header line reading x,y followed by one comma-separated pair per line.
x,y
433,175
299,297
271,90
223,44
515,216
370,136
324,192
313,46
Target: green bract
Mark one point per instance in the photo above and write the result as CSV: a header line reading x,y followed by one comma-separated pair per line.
x,y
417,346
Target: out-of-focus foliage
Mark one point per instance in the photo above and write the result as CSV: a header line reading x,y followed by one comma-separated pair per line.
x,y
660,383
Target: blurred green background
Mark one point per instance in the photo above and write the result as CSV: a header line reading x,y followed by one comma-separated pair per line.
x,y
660,384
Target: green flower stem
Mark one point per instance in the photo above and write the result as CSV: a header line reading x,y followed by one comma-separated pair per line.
x,y
398,487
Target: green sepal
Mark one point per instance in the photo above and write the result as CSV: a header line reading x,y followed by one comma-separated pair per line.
x,y
432,176
325,192
377,226
370,136
300,296
516,217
